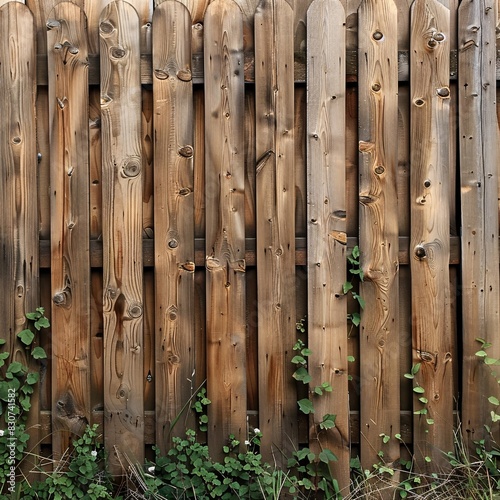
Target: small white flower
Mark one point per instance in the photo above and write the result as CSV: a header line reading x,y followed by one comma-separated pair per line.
x,y
151,469
94,453
257,431
2,432
247,442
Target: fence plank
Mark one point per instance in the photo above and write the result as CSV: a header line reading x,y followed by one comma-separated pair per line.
x,y
479,202
70,257
174,215
430,231
225,223
378,230
19,254
123,308
327,238
275,172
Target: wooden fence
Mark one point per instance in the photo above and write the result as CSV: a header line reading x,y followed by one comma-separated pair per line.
x,y
181,184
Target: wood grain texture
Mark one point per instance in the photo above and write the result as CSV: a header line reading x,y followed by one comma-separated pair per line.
x,y
430,236
326,229
123,301
479,208
19,251
378,230
70,257
174,217
225,223
275,199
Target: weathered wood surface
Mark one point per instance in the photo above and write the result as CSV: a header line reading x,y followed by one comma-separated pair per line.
x,y
173,217
225,223
378,231
430,226
479,208
19,251
123,307
275,174
326,229
69,225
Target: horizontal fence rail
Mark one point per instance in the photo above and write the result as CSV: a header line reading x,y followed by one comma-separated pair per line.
x,y
182,183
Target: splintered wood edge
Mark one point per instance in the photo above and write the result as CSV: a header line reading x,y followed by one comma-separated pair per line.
x,y
300,67
250,254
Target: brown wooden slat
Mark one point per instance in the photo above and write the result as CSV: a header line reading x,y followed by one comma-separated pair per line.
x,y
19,252
299,67
406,418
430,241
70,257
479,208
378,231
326,230
275,172
123,306
250,245
174,217
225,223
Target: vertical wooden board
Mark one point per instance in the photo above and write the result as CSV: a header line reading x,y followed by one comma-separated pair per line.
x,y
41,10
479,209
96,345
69,187
378,230
19,258
430,242
123,301
199,162
42,145
147,164
174,216
275,198
196,8
250,215
351,161
403,181
95,163
300,161
225,223
326,230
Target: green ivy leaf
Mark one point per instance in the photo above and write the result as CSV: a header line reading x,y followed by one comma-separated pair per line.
x,y
39,353
3,341
418,389
306,406
481,354
415,368
494,401
26,336
347,286
355,318
33,316
327,456
32,378
15,368
43,322
302,375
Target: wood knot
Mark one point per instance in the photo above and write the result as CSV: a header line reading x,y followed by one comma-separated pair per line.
x,y
73,50
379,169
188,266
427,183
378,35
439,37
52,24
443,92
186,151
184,75
117,52
420,252
16,140
161,74
184,191
173,243
106,28
172,313
431,43
59,298
135,310
419,102
132,168
376,87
